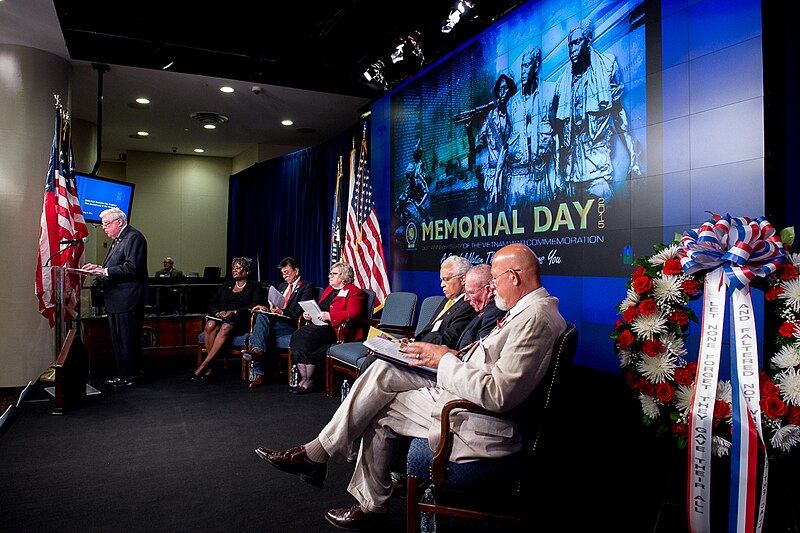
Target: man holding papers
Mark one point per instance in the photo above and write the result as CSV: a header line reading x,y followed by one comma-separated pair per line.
x,y
388,401
281,317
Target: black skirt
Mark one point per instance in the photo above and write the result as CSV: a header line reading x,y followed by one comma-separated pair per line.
x,y
310,343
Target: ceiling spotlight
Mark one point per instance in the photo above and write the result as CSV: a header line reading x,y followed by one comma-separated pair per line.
x,y
287,122
374,73
210,126
226,89
455,15
143,101
199,150
165,67
397,55
142,133
209,119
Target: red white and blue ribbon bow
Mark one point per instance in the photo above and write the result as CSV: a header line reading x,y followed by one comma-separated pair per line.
x,y
732,251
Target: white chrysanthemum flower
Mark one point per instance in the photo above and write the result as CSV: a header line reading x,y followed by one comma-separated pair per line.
x,y
631,299
791,294
649,406
787,357
648,326
626,357
724,391
671,252
683,398
673,345
786,437
657,369
720,447
668,289
789,384
794,258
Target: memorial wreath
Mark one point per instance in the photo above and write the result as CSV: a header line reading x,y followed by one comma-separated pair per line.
x,y
651,332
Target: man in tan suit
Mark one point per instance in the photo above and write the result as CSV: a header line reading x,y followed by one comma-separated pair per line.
x,y
389,401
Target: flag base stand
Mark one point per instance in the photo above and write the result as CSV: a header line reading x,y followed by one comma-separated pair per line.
x,y
49,375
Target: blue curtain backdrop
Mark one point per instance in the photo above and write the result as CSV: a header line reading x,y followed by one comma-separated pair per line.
x,y
283,207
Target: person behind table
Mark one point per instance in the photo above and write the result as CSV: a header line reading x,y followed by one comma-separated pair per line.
x,y
229,312
388,401
124,279
340,302
283,320
169,271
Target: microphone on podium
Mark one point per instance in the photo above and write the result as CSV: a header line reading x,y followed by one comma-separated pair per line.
x,y
75,241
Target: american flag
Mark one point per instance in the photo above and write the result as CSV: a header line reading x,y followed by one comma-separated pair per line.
x,y
62,219
363,248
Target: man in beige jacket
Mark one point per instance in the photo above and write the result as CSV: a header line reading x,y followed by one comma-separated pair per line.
x,y
389,401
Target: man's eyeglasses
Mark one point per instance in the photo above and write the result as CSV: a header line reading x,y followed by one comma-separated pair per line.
x,y
107,223
447,279
494,279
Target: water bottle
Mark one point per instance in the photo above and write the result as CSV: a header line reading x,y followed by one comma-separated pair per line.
x,y
427,520
294,376
345,389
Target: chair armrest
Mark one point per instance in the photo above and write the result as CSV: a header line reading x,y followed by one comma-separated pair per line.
x,y
398,331
353,322
441,455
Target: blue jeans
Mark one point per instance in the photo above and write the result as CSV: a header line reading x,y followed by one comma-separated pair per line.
x,y
266,329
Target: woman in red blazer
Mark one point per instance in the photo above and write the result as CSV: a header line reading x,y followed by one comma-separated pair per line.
x,y
340,302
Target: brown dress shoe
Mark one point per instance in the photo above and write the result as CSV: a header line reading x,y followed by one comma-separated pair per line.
x,y
257,382
295,461
354,518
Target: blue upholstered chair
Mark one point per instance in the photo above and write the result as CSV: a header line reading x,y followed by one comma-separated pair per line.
x,y
233,349
497,489
342,356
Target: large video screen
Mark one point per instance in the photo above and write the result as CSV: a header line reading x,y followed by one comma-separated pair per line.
x,y
589,131
96,194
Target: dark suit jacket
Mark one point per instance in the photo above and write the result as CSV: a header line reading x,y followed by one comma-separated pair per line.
x,y
302,291
453,323
344,308
125,288
481,325
253,293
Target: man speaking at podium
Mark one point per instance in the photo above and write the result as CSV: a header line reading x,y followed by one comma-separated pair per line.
x,y
124,276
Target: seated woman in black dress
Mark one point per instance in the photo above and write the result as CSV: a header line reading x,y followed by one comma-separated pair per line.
x,y
229,312
340,302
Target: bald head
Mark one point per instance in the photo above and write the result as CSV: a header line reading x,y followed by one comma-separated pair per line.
x,y
515,269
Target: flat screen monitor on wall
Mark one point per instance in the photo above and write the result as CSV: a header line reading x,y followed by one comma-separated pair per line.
x,y
96,194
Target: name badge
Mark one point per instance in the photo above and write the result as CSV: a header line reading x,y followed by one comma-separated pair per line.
x,y
436,325
343,293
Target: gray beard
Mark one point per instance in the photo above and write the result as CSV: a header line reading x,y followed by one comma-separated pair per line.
x,y
500,303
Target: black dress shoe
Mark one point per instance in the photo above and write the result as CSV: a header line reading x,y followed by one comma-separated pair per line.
x,y
354,518
114,381
296,461
304,390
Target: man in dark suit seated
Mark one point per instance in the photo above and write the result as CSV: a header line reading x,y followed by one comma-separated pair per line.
x,y
478,291
283,320
454,313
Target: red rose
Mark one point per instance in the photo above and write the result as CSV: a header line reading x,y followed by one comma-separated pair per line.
x,y
641,271
618,324
642,284
646,387
679,317
653,347
766,386
794,416
685,376
772,294
631,379
788,272
680,430
672,267
630,313
787,329
626,338
722,409
665,392
691,287
648,307
773,406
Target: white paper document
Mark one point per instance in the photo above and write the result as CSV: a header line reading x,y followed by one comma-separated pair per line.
x,y
312,308
275,298
389,350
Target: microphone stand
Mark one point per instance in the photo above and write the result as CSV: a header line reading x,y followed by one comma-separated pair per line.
x,y
61,251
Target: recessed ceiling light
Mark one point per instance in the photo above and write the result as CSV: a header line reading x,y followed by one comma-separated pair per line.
x,y
287,122
210,126
143,101
199,150
142,133
226,89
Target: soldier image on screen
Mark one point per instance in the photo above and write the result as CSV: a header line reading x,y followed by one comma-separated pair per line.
x,y
493,141
532,174
588,111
